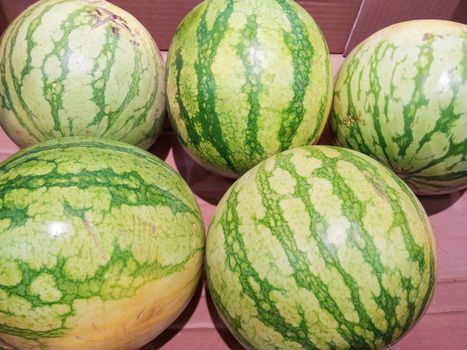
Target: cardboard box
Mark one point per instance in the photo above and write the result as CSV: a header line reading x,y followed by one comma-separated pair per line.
x,y
344,22
377,14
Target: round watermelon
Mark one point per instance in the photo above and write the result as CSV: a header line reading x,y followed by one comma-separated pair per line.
x,y
401,97
80,67
320,247
247,79
101,246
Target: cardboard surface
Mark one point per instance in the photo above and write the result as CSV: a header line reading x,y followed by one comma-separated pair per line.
x,y
377,14
335,18
345,23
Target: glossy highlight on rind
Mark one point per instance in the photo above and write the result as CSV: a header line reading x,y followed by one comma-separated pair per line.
x,y
320,248
80,68
401,97
101,246
246,80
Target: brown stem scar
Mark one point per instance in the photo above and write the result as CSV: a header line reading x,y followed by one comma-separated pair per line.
x,y
104,16
100,22
428,36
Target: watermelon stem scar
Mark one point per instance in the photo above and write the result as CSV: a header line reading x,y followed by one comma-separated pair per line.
x,y
111,17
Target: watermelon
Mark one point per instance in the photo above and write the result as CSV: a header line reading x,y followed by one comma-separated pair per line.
x,y
101,246
320,247
80,67
401,97
245,80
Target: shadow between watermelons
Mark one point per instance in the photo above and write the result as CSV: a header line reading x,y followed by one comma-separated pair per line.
x,y
433,204
205,184
221,328
179,323
438,203
161,148
326,136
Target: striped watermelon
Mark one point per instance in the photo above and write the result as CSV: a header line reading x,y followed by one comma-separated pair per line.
x,y
401,97
320,248
247,79
80,67
101,246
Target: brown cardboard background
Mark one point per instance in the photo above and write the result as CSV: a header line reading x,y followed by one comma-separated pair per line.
x,y
377,14
161,17
344,23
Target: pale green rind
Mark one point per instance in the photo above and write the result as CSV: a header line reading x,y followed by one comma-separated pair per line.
x,y
83,68
320,248
401,97
245,80
88,226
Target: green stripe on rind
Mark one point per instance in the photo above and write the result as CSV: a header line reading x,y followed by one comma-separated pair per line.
x,y
253,86
99,84
302,189
325,102
53,90
208,43
194,138
353,209
143,113
353,117
133,90
238,263
418,100
85,143
228,225
448,117
121,189
33,26
360,110
302,55
121,185
91,287
298,259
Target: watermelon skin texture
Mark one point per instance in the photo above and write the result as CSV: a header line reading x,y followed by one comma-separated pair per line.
x,y
401,97
101,246
320,247
80,68
245,80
